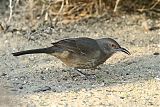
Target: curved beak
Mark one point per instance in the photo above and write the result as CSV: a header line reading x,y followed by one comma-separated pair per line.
x,y
123,50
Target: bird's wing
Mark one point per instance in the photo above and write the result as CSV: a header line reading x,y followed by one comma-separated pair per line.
x,y
78,45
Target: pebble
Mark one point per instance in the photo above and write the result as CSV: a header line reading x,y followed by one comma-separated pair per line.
x,y
42,89
156,53
20,87
3,74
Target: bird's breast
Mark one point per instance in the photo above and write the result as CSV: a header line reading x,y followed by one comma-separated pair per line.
x,y
78,60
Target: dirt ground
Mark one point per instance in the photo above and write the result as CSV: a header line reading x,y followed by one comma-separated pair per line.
x,y
44,81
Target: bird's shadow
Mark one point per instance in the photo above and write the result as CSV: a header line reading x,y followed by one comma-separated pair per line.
x,y
58,80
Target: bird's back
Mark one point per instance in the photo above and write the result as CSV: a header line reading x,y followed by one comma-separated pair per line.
x,y
80,53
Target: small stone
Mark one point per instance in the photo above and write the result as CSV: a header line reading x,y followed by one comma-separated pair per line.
x,y
151,103
54,90
156,53
64,70
42,77
14,90
20,87
127,73
42,89
122,97
42,72
65,78
3,74
107,72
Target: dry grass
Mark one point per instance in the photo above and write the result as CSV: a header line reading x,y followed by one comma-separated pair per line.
x,y
73,10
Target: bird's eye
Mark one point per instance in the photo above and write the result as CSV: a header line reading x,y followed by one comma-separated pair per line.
x,y
113,45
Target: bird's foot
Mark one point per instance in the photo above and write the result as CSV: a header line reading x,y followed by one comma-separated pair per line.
x,y
90,77
85,75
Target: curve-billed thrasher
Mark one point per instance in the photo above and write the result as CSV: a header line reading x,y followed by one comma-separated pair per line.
x,y
80,53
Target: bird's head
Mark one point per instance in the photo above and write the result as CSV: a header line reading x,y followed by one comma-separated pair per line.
x,y
110,46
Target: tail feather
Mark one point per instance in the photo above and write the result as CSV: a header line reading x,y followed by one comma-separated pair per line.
x,y
35,51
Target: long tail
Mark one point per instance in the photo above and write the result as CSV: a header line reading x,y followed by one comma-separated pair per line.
x,y
35,51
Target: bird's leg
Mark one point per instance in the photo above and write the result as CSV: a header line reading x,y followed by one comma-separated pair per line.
x,y
81,73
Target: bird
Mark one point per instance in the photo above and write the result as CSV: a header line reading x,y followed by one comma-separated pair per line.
x,y
81,52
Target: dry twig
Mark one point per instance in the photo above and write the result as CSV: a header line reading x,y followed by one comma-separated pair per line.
x,y
115,8
11,11
155,4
